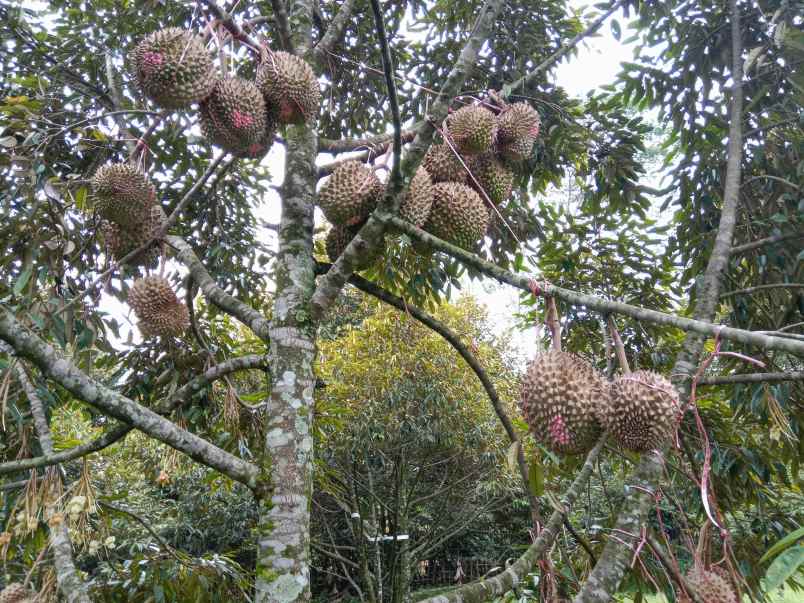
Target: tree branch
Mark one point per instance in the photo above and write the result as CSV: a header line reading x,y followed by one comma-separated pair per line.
x,y
750,290
250,317
371,234
766,241
334,32
232,27
486,589
282,25
179,397
752,378
53,365
530,77
377,144
701,327
70,584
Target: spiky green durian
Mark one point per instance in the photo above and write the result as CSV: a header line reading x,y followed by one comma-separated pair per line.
x,y
494,177
123,193
121,241
560,399
418,200
642,412
517,129
443,165
234,117
289,84
159,311
350,194
339,237
458,215
472,129
173,68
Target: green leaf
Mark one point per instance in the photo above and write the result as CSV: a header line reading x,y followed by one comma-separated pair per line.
x,y
536,477
615,29
784,566
23,280
785,542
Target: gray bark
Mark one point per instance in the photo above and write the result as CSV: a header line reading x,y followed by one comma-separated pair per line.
x,y
70,583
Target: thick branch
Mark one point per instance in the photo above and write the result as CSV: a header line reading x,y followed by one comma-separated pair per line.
x,y
334,32
700,327
486,589
371,234
250,317
70,583
528,79
282,25
231,25
750,290
752,378
53,365
179,397
377,144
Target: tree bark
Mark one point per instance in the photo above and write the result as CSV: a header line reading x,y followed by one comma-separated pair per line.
x,y
70,583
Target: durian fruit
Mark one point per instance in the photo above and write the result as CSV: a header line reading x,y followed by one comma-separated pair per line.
x,y
289,84
418,200
158,309
560,400
339,237
234,117
642,412
472,129
711,587
517,129
458,215
495,178
121,241
15,593
173,68
123,193
350,194
442,164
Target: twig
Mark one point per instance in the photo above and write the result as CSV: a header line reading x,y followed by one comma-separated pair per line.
x,y
750,290
622,359
752,378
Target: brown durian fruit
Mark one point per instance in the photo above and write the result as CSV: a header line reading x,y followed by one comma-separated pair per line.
x,y
15,593
459,215
495,178
642,412
472,128
159,311
234,117
288,83
173,68
517,129
123,194
710,586
418,200
350,194
560,400
339,237
442,164
121,241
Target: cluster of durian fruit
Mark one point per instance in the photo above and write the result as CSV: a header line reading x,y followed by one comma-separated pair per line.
x,y
450,194
712,585
567,404
174,70
16,593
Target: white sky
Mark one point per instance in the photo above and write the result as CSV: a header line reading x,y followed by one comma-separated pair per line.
x,y
596,64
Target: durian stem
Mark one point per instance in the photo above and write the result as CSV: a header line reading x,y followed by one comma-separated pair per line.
x,y
553,324
619,347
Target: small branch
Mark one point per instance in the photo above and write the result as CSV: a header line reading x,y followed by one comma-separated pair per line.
x,y
377,144
580,540
752,378
672,569
141,521
390,84
250,317
282,24
58,368
701,327
117,100
553,324
751,290
486,588
334,32
766,241
530,77
772,177
231,26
